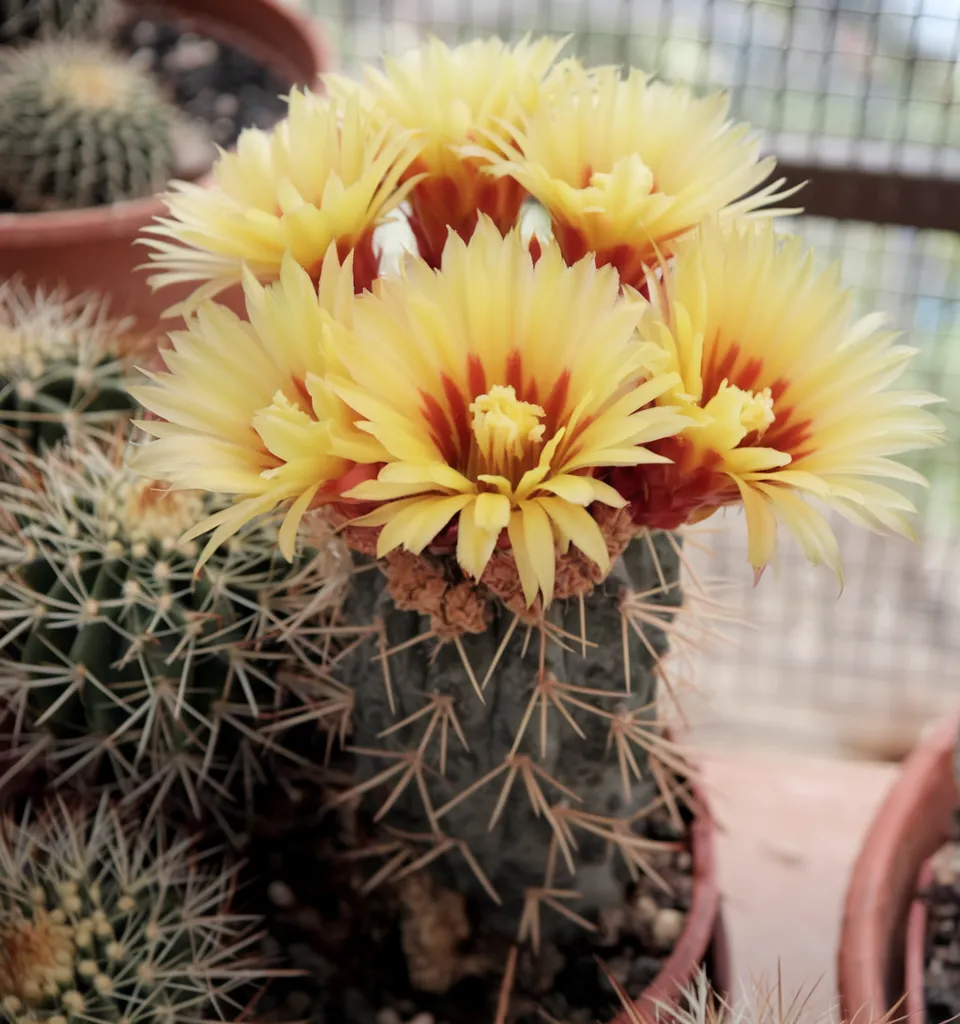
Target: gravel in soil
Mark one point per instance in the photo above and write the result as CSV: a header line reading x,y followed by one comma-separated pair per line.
x,y
219,89
351,945
942,982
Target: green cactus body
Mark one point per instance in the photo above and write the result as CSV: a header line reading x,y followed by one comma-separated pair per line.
x,y
45,19
62,368
80,126
514,760
104,922
120,649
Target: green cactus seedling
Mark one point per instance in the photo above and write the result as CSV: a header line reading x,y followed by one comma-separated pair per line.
x,y
80,126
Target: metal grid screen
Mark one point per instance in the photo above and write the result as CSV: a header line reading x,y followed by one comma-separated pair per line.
x,y
862,97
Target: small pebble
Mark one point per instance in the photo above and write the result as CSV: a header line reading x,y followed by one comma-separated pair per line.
x,y
144,58
190,54
299,1002
193,150
667,926
281,895
646,908
222,129
226,105
144,33
388,1016
642,971
422,1018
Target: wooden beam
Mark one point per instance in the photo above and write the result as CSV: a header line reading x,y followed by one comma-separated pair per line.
x,y
878,197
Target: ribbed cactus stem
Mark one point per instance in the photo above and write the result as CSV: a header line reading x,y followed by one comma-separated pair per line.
x,y
519,750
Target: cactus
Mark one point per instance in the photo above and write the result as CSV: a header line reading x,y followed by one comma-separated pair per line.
x,y
143,671
63,365
105,922
522,756
76,19
80,126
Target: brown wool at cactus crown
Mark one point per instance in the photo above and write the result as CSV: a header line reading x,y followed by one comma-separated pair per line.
x,y
404,540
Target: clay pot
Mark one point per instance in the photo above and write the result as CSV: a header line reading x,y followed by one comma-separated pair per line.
x,y
703,941
915,966
92,249
912,824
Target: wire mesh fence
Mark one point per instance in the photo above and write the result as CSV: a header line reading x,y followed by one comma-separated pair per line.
x,y
863,98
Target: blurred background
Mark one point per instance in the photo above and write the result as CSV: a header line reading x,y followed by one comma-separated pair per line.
x,y
861,98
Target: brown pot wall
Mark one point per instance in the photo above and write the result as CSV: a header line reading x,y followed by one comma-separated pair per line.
x,y
93,249
703,936
912,823
915,965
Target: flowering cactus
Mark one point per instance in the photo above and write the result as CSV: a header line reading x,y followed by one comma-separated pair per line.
x,y
508,432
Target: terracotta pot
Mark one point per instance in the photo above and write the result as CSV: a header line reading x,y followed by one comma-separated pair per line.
x,y
915,965
912,824
703,940
93,249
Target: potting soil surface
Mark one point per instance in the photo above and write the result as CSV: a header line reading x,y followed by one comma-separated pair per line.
x,y
220,89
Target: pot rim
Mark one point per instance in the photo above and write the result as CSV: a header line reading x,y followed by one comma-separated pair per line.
x,y
700,928
914,966
118,220
883,880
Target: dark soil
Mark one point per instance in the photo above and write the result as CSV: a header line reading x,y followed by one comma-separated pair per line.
x,y
942,982
349,944
219,88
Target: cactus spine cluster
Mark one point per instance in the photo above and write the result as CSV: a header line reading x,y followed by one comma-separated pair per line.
x,y
22,20
63,365
80,126
142,670
104,922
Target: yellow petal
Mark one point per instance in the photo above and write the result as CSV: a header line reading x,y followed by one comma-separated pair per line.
x,y
577,526
541,549
475,544
418,523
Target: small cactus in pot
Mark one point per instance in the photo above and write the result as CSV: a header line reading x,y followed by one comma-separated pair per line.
x,y
80,126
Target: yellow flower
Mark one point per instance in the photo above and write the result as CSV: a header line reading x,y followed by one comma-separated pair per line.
x,y
626,167
499,388
450,97
791,398
324,174
245,409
